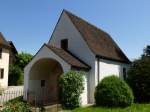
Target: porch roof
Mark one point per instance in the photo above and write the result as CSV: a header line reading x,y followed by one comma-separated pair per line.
x,y
69,58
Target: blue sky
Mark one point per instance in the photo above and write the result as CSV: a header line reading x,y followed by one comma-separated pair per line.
x,y
29,23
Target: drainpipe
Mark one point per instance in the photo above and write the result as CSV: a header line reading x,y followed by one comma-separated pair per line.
x,y
98,69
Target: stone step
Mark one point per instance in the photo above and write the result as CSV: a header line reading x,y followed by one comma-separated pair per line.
x,y
51,108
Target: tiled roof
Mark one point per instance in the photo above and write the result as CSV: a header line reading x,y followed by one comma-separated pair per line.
x,y
69,58
3,41
100,42
13,47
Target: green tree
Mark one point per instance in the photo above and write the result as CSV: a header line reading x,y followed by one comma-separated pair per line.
x,y
15,76
23,59
139,77
147,51
16,69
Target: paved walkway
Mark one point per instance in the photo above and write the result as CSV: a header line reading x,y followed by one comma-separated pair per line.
x,y
10,93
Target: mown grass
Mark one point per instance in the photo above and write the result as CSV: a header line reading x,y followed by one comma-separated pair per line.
x,y
133,108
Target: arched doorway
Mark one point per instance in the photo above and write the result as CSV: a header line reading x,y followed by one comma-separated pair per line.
x,y
43,82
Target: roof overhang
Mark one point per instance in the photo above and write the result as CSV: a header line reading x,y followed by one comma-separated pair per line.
x,y
68,57
112,59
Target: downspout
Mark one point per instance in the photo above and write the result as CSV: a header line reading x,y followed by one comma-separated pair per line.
x,y
98,69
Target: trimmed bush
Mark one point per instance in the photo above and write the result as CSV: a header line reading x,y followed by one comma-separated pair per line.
x,y
71,85
113,92
139,79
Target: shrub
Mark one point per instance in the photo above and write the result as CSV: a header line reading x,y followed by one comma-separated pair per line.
x,y
15,100
139,79
71,85
113,92
15,76
16,105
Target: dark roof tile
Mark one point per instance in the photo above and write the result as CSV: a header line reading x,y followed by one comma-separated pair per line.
x,y
98,41
69,58
3,41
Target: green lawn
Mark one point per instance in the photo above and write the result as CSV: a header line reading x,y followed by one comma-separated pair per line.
x,y
133,108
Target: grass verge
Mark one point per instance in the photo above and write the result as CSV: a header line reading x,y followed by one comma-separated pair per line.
x,y
133,108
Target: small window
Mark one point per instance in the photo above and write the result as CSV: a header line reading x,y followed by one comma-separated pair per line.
x,y
1,73
124,73
64,44
0,52
42,83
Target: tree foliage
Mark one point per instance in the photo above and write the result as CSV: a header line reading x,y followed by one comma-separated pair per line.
x,y
71,85
139,79
15,76
113,92
147,51
16,69
23,59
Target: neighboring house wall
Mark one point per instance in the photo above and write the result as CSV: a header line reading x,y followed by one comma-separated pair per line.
x,y
4,64
66,30
107,68
12,53
12,57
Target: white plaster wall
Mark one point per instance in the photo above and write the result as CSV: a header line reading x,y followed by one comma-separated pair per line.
x,y
107,68
44,70
84,95
66,30
4,63
44,53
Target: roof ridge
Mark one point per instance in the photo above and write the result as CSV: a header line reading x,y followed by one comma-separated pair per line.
x,y
98,41
2,36
98,28
3,41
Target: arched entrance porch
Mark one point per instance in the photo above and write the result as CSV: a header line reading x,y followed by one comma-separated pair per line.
x,y
43,82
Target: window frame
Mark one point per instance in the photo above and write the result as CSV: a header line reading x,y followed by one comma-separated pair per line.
x,y
43,83
124,71
1,50
64,44
1,73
